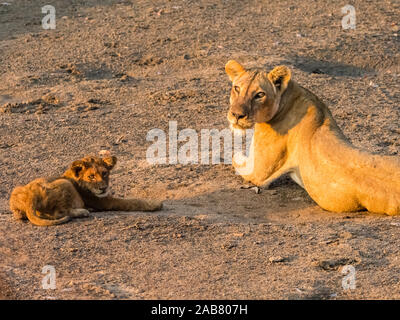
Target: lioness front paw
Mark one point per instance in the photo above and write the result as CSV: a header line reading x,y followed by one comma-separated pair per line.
x,y
239,159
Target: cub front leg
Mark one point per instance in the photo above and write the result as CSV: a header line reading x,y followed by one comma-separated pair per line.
x,y
130,204
134,205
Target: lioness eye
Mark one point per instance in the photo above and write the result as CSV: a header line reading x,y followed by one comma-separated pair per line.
x,y
91,177
237,89
260,95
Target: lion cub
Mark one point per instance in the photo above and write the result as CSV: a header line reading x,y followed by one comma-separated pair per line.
x,y
51,201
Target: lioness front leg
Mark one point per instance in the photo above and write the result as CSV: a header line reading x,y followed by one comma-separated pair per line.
x,y
245,165
261,173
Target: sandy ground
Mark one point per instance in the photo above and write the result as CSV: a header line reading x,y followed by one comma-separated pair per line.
x,y
113,70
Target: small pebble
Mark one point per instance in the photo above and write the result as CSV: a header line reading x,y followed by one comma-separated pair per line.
x,y
276,259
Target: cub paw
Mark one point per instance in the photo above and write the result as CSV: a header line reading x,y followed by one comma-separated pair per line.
x,y
79,213
154,205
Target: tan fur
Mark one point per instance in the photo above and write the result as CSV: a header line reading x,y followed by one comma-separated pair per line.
x,y
295,133
85,184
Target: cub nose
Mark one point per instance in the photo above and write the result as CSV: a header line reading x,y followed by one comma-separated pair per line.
x,y
238,116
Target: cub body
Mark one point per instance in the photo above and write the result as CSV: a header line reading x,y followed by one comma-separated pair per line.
x,y
52,201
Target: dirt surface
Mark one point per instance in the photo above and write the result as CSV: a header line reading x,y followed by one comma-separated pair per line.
x,y
113,70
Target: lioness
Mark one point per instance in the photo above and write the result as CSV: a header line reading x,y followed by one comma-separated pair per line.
x,y
295,133
47,202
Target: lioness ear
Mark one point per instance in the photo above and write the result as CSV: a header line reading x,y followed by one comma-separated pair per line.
x,y
76,167
234,69
110,162
280,77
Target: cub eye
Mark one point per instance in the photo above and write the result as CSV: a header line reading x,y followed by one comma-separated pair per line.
x,y
237,89
91,177
259,95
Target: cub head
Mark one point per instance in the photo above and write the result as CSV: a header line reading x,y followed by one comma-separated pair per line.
x,y
92,174
255,94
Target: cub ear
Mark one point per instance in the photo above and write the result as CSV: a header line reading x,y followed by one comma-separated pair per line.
x,y
76,167
234,69
110,162
280,77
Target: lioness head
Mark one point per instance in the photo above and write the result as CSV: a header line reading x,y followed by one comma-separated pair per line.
x,y
92,174
255,94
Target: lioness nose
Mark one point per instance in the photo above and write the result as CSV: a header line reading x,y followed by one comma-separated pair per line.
x,y
238,115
